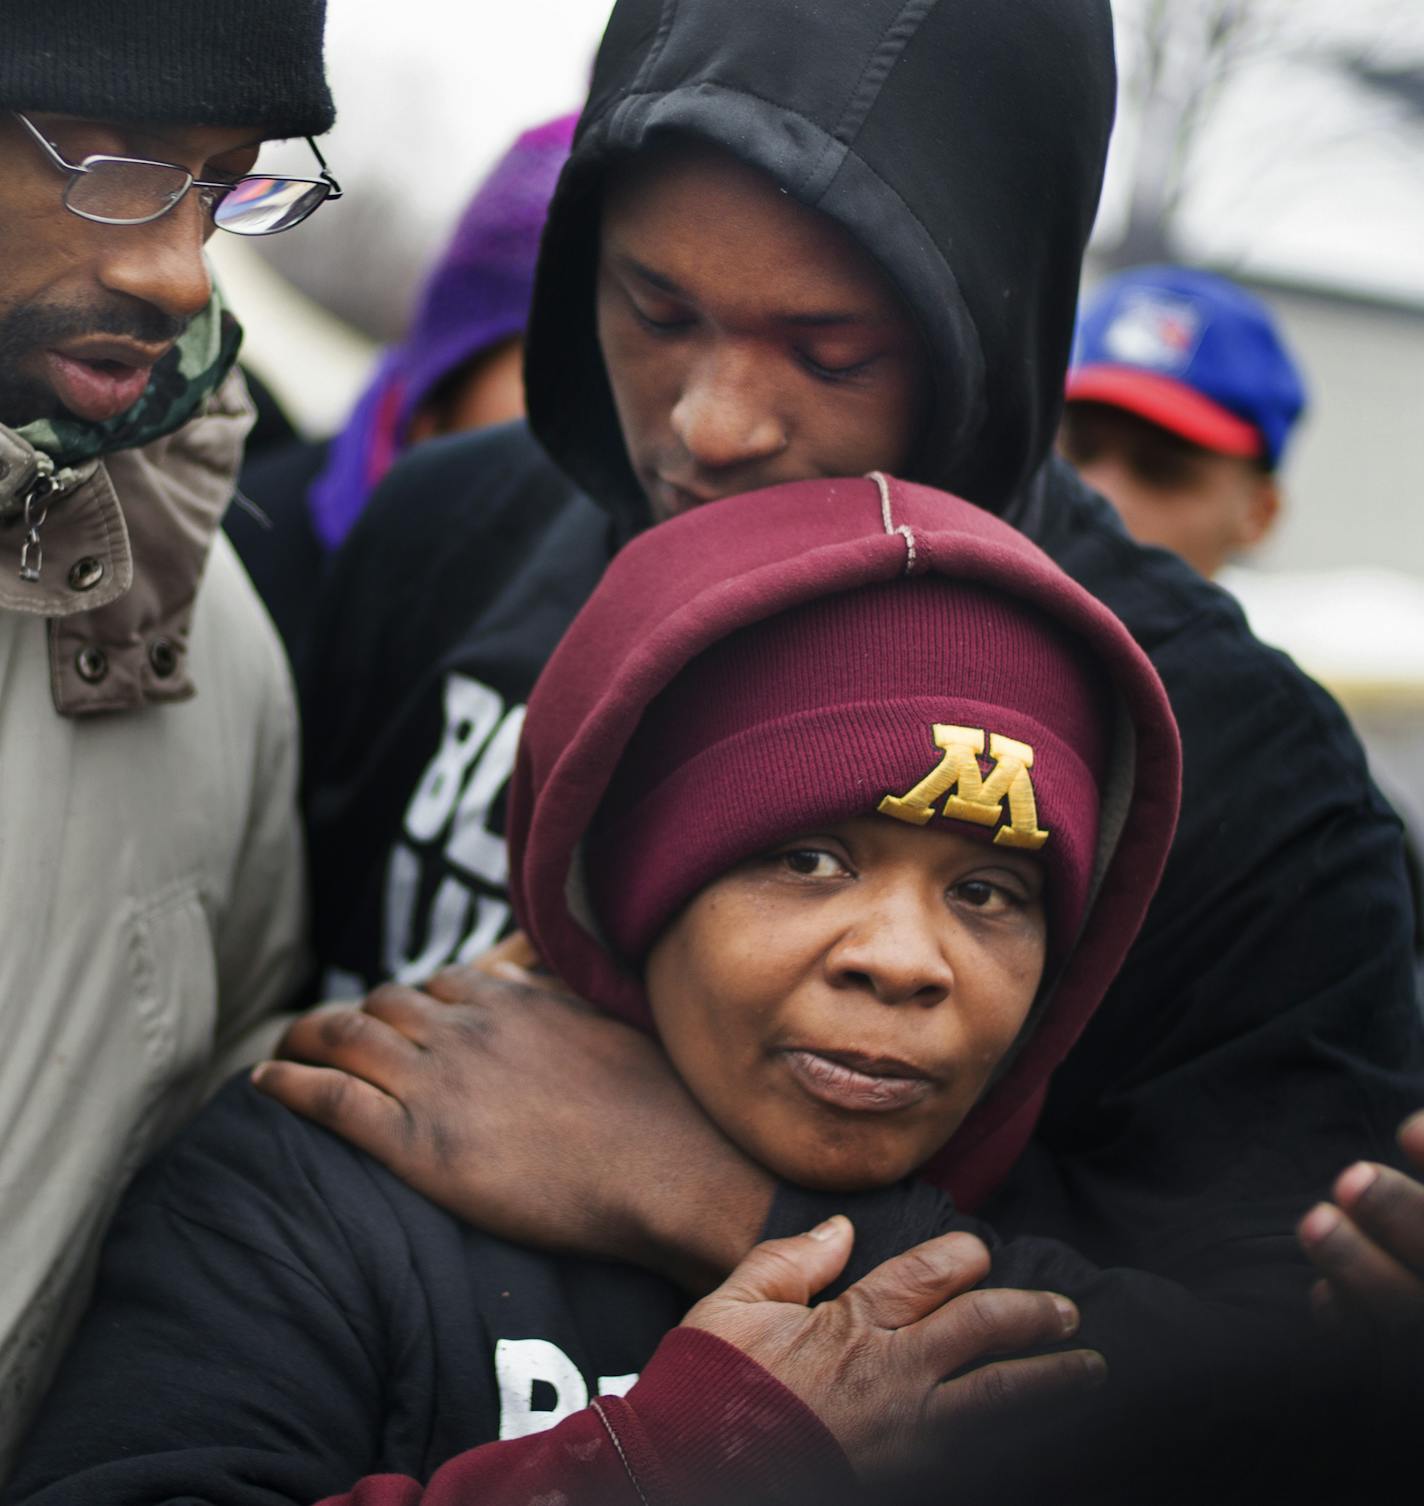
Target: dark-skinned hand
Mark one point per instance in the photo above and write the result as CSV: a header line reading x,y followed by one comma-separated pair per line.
x,y
1368,1244
526,1113
872,1363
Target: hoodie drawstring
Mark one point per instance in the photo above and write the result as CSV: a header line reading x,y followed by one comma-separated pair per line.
x,y
887,517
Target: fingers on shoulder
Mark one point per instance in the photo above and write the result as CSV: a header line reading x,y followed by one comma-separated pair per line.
x,y
349,1105
1365,1279
1411,1138
407,1011
381,1033
908,1288
1013,1385
516,950
991,1322
1388,1208
792,1269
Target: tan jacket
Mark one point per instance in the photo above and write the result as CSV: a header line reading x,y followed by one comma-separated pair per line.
x,y
152,893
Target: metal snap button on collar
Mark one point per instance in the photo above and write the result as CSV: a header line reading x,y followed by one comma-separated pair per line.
x,y
163,657
86,573
92,664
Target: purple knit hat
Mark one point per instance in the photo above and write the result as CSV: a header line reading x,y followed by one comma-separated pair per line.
x,y
476,297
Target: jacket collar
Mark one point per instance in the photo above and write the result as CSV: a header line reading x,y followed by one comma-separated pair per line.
x,y
122,546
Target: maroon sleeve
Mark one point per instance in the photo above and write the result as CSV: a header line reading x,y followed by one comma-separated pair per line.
x,y
703,1423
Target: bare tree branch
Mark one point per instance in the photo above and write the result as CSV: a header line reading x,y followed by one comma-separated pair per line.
x,y
1182,57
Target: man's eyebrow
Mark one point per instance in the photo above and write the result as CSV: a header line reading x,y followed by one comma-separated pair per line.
x,y
138,138
654,279
158,146
257,142
811,318
830,318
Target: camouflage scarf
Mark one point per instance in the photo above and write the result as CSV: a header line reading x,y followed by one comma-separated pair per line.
x,y
181,383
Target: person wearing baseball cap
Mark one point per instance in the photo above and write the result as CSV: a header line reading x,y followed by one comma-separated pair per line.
x,y
1181,398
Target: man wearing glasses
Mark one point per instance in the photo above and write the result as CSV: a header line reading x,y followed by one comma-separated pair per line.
x,y
151,877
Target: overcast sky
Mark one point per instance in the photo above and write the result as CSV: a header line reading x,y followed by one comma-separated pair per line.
x,y
1297,174
1300,171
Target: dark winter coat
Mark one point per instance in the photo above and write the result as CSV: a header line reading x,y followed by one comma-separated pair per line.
x,y
278,1317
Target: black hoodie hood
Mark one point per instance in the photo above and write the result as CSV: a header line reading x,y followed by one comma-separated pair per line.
x,y
961,142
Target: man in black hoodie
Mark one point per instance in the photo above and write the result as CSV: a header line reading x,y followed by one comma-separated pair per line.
x,y
1262,1033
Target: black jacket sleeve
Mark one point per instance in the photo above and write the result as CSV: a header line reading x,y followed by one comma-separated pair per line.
x,y
279,1322
233,1352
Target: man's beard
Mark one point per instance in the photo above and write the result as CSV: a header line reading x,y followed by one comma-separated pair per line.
x,y
36,327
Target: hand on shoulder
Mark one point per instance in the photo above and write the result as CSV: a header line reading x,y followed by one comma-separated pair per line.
x,y
1368,1244
872,1363
467,1090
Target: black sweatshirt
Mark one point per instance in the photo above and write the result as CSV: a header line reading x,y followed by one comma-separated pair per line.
x,y
278,1318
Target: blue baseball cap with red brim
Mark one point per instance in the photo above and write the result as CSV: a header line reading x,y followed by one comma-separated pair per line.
x,y
1192,353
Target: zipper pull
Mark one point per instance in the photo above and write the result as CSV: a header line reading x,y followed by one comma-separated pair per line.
x,y
36,511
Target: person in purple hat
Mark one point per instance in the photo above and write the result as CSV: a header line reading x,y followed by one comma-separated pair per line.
x,y
1181,398
459,367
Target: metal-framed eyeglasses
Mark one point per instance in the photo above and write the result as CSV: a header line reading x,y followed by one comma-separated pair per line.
x,y
134,191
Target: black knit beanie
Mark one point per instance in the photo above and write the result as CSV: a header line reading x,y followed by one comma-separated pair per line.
x,y
185,62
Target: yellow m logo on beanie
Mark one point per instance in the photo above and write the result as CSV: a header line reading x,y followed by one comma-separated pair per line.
x,y
968,795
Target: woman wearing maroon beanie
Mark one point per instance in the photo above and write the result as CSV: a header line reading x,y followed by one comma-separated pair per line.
x,y
874,751
859,811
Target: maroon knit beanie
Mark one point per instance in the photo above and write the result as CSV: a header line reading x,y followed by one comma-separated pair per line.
x,y
842,707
